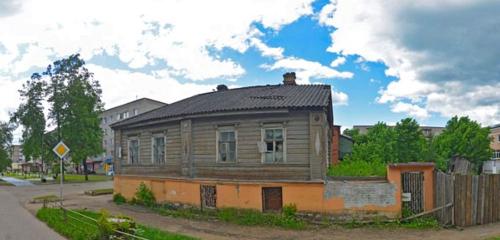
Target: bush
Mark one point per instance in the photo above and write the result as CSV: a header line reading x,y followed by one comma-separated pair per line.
x,y
144,196
358,168
119,199
289,210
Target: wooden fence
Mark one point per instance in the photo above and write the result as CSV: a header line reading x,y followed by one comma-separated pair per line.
x,y
473,200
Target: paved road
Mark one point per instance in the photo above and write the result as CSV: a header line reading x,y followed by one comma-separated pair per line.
x,y
17,182
16,223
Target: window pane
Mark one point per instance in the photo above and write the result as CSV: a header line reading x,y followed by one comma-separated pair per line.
x,y
269,146
223,149
278,157
230,136
269,157
279,146
278,134
269,134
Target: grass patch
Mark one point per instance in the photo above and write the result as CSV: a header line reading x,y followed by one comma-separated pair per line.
x,y
75,230
245,217
356,168
417,223
76,178
96,192
249,217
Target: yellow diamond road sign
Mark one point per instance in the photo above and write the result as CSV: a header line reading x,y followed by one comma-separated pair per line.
x,y
61,149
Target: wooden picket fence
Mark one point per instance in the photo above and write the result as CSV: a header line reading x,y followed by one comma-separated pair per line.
x,y
473,200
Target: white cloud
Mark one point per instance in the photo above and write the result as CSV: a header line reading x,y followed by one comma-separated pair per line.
x,y
183,34
411,109
266,51
443,53
339,98
307,69
338,61
121,86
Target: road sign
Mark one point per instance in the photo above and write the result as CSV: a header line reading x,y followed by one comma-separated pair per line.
x,y
61,149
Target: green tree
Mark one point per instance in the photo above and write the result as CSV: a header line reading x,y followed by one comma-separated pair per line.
x,y
75,99
5,144
355,135
30,115
465,138
410,143
377,145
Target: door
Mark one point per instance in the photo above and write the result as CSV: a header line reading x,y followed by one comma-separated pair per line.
x,y
272,199
413,191
208,196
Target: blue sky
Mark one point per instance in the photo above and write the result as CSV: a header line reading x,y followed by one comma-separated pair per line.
x,y
394,59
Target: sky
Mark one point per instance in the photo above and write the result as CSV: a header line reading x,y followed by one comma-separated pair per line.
x,y
385,59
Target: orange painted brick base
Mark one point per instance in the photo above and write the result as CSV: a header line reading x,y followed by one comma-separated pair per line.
x,y
308,197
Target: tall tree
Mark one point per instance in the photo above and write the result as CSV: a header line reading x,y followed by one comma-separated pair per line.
x,y
465,138
377,145
5,145
410,143
30,115
76,104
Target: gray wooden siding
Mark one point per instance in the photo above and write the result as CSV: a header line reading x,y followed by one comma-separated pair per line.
x,y
173,150
248,164
249,133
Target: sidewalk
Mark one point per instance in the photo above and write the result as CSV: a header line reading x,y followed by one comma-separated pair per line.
x,y
17,182
18,224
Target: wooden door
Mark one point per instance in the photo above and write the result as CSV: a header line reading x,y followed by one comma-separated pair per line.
x,y
272,199
208,196
413,191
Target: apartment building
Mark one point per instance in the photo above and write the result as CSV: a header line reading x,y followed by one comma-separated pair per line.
x,y
114,115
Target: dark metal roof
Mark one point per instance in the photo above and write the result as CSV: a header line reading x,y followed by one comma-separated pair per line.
x,y
240,99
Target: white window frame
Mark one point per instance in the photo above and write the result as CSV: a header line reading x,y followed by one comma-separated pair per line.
x,y
262,139
136,111
152,148
138,150
217,134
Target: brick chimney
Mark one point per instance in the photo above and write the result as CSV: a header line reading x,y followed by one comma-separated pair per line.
x,y
221,87
289,79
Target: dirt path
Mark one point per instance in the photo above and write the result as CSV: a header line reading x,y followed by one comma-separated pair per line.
x,y
219,230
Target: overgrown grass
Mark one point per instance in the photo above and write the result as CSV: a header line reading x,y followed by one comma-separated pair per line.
x,y
417,223
288,219
356,168
75,230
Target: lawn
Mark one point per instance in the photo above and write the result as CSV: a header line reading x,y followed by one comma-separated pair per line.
x,y
75,178
76,227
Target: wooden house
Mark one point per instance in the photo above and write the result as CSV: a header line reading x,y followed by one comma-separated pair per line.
x,y
220,142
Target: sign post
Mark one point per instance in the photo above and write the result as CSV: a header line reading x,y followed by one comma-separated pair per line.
x,y
61,150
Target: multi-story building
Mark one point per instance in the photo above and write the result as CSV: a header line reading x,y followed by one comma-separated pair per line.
x,y
495,141
493,166
113,115
17,157
428,131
